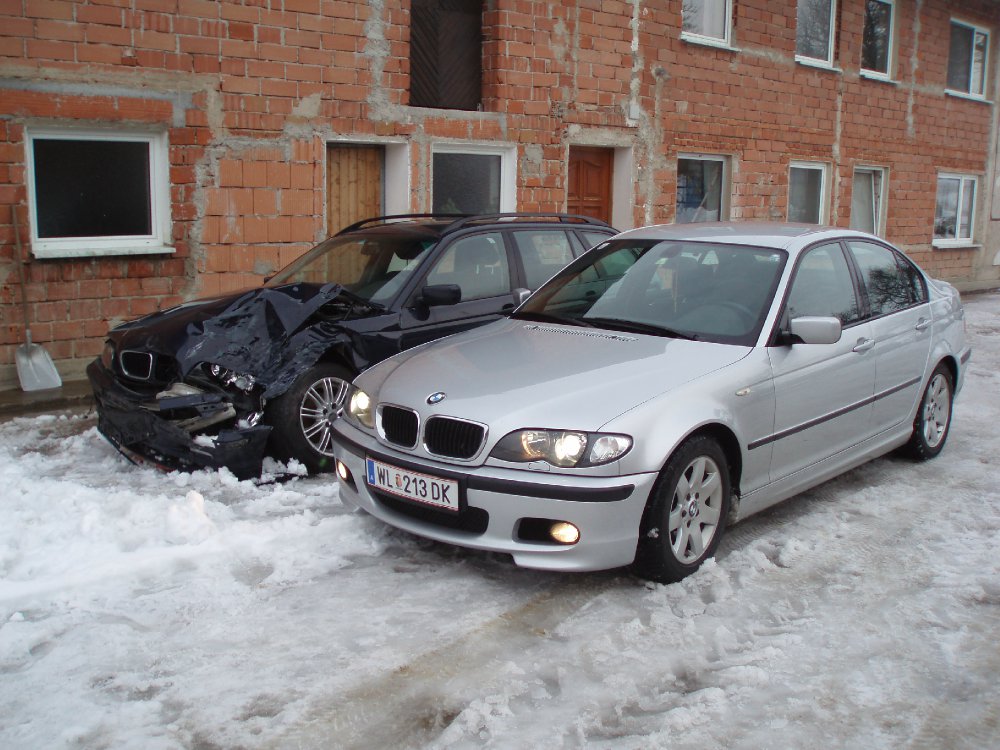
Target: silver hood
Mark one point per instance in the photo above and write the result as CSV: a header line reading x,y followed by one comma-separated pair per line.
x,y
515,374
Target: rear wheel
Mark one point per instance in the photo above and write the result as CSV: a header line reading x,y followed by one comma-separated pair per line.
x,y
930,428
686,514
302,418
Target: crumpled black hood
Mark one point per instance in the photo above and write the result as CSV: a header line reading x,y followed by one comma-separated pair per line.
x,y
254,332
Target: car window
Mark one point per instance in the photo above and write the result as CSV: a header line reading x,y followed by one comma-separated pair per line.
x,y
890,284
822,286
478,264
543,253
593,239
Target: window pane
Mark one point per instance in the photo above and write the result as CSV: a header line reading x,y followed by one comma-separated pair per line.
x,y
543,253
960,57
863,202
805,190
705,17
946,208
822,286
92,188
812,30
878,30
699,190
889,289
466,183
478,264
965,216
446,54
977,84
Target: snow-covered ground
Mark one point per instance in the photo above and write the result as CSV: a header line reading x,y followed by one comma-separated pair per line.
x,y
143,610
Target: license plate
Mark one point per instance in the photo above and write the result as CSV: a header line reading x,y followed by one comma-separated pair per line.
x,y
422,488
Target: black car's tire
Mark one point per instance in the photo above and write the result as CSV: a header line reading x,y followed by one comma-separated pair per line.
x,y
933,420
686,513
302,417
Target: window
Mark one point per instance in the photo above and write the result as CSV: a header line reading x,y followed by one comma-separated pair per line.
x,y
446,54
543,252
97,192
472,180
822,286
955,210
867,199
967,59
814,28
876,41
807,192
707,21
477,264
891,282
702,189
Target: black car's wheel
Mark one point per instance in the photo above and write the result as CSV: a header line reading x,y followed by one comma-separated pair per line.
x,y
302,418
930,428
686,513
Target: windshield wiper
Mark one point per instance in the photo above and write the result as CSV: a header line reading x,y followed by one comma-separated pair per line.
x,y
358,301
544,317
634,326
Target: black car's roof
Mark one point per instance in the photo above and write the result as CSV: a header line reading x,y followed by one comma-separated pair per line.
x,y
438,225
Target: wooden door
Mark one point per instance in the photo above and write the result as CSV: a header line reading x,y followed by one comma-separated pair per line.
x,y
589,190
354,184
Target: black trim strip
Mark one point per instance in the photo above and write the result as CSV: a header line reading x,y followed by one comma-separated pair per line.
x,y
832,415
523,489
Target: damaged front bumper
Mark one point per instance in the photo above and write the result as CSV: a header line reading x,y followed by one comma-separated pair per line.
x,y
166,431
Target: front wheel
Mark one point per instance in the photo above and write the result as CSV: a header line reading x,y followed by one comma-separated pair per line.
x,y
933,420
686,514
302,418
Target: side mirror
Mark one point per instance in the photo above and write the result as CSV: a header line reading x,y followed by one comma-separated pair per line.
x,y
520,295
441,294
815,330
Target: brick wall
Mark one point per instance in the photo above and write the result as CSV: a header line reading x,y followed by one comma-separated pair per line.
x,y
251,92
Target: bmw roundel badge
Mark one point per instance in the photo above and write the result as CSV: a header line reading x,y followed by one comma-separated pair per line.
x,y
436,398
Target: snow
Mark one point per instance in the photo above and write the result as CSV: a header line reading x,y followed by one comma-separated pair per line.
x,y
144,610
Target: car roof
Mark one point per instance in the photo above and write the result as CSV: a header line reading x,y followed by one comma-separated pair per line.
x,y
438,225
777,235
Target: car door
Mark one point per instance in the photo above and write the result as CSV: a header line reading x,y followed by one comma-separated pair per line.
x,y
479,265
542,253
822,392
901,326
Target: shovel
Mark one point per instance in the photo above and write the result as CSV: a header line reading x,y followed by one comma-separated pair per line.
x,y
35,368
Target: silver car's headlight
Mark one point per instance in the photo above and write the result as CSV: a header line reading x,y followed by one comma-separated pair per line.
x,y
359,407
562,448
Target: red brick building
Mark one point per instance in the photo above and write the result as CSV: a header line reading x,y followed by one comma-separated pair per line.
x,y
160,150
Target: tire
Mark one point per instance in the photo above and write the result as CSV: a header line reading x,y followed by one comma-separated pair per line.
x,y
933,420
302,417
673,541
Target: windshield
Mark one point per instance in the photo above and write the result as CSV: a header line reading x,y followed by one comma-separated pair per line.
x,y
695,290
373,267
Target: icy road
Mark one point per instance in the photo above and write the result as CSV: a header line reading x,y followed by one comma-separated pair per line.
x,y
143,610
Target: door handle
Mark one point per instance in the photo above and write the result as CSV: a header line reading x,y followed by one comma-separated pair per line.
x,y
922,325
863,345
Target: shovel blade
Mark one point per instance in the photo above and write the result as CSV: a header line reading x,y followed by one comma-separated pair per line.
x,y
35,368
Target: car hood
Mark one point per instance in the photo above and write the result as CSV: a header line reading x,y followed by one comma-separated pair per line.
x,y
514,374
256,331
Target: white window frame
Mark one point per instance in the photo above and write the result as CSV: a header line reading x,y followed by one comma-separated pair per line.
x,y
824,190
726,41
945,242
819,62
879,199
508,167
986,60
725,190
891,52
157,242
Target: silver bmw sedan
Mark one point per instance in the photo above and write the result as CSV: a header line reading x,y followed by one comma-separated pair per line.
x,y
671,381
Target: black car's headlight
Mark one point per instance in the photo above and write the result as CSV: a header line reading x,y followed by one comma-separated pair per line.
x,y
360,407
562,448
108,356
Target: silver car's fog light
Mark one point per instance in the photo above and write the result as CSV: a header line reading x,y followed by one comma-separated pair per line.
x,y
359,406
562,448
345,475
564,533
